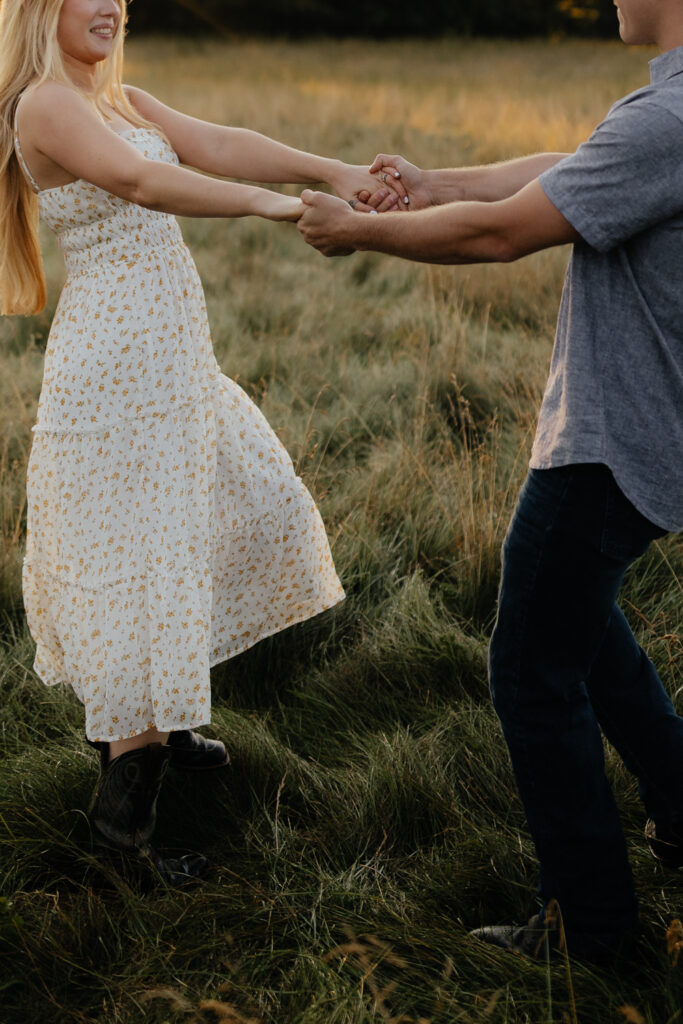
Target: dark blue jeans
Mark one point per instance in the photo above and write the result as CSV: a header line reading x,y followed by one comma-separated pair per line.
x,y
564,665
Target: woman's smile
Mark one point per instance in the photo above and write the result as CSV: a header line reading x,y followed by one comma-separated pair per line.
x,y
105,31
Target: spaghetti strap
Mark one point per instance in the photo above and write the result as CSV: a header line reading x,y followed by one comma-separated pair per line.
x,y
20,155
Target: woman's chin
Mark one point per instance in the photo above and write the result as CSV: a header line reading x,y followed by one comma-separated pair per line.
x,y
100,52
90,55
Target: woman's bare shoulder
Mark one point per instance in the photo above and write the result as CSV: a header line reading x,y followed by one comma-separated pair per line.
x,y
47,103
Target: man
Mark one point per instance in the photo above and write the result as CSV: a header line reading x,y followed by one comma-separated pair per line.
x,y
606,475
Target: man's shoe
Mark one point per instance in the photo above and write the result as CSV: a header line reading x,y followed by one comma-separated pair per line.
x,y
535,939
192,752
666,843
543,938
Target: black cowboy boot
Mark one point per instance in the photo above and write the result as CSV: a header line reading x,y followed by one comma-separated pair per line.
x,y
123,810
192,752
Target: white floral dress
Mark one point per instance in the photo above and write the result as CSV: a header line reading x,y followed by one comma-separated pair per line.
x,y
167,529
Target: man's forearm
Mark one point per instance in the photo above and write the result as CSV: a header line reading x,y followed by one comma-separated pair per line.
x,y
489,183
462,233
466,232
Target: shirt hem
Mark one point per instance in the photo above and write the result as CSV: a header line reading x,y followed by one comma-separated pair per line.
x,y
573,459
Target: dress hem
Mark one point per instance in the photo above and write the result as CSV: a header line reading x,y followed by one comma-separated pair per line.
x,y
202,719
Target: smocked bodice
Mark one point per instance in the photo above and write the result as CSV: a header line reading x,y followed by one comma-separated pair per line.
x,y
93,226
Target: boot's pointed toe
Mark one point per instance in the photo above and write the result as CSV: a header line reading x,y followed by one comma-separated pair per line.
x,y
183,870
190,751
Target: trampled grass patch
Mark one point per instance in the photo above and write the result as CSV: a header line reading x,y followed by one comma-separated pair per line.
x,y
369,818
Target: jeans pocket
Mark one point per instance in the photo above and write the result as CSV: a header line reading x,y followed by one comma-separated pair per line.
x,y
626,532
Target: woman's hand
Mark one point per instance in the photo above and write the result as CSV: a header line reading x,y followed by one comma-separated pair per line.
x,y
384,200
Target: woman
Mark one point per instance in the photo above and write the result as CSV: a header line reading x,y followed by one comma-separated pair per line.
x,y
167,530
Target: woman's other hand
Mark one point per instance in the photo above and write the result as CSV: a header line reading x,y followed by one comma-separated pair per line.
x,y
383,200
281,208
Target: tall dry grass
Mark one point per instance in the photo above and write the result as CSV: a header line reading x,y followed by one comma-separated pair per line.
x,y
370,818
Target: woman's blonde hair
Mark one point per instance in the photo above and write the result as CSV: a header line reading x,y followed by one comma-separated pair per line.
x,y
29,56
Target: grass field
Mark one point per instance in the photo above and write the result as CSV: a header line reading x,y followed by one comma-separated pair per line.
x,y
370,817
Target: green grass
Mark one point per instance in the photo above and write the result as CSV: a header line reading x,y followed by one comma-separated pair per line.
x,y
370,818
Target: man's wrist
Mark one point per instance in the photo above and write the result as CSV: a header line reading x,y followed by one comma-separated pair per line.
x,y
444,186
364,231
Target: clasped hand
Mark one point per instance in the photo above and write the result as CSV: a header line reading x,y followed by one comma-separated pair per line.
x,y
327,222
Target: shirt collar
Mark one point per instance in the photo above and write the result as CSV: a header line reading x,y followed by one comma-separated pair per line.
x,y
666,66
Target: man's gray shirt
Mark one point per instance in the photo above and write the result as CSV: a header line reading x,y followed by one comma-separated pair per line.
x,y
615,390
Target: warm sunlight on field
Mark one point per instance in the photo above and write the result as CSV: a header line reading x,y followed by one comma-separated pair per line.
x,y
478,100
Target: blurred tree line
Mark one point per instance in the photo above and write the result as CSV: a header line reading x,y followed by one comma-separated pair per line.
x,y
393,17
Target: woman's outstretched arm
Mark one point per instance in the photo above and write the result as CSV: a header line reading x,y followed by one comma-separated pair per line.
x,y
241,153
59,125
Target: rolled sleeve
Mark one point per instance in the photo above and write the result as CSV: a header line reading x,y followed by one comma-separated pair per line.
x,y
627,177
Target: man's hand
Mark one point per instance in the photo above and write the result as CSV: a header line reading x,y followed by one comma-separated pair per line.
x,y
352,182
413,179
327,223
